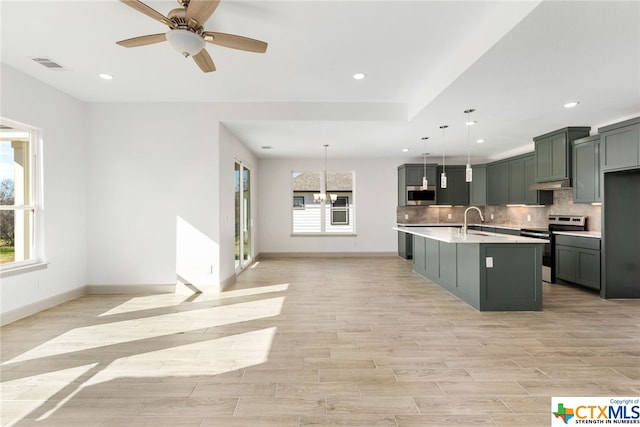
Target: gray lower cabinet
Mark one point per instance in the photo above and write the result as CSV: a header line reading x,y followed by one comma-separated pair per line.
x,y
620,145
419,255
586,170
405,245
577,260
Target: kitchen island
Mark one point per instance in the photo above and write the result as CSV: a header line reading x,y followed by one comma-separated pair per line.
x,y
491,272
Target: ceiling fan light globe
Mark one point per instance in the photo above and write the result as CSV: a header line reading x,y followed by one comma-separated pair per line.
x,y
186,42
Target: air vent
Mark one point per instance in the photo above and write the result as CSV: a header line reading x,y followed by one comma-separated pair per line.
x,y
46,62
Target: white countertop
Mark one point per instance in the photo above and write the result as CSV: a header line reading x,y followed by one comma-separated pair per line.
x,y
454,224
593,234
452,235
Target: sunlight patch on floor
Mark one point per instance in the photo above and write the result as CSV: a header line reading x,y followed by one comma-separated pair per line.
x,y
170,300
46,386
149,328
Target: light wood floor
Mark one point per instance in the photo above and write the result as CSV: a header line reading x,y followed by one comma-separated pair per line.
x,y
299,342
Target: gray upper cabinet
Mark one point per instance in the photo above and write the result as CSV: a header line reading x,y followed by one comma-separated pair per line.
x,y
508,182
553,153
516,181
478,186
620,145
411,174
457,191
533,197
498,183
586,170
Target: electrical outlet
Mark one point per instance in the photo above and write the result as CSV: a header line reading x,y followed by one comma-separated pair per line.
x,y
529,218
448,216
406,216
491,216
489,262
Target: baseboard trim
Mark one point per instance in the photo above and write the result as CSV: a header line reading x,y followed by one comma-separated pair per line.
x,y
267,255
130,289
226,283
36,307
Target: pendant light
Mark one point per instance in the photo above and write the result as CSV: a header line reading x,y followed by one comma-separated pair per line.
x,y
443,175
322,196
468,171
425,182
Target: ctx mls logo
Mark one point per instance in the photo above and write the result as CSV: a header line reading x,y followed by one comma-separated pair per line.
x,y
565,414
595,410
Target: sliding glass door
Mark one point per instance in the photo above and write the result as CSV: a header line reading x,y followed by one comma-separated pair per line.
x,y
243,249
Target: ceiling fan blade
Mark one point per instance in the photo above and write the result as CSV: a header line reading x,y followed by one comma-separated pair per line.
x,y
235,42
204,61
199,11
143,40
143,8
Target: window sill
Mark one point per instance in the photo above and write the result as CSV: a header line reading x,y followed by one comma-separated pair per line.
x,y
21,269
323,234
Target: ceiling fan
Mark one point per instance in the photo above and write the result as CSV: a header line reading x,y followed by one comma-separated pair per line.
x,y
186,33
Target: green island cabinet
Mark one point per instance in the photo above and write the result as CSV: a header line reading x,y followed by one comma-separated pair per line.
x,y
620,145
411,174
508,182
553,153
457,191
586,170
578,260
513,283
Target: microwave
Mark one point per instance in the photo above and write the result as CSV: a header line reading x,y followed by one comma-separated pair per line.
x,y
416,196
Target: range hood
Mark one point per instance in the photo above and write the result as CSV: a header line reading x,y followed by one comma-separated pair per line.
x,y
551,185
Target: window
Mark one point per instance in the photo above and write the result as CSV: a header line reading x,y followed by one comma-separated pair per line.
x,y
298,202
323,203
340,211
19,193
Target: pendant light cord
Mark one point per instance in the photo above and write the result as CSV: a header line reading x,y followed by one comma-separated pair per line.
x,y
443,127
326,182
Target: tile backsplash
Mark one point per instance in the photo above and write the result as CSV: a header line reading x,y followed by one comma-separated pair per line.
x,y
517,216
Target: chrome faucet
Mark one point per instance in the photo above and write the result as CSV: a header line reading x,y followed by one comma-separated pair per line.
x,y
464,226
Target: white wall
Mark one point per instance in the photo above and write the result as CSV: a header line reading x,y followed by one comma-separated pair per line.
x,y
376,200
153,200
64,130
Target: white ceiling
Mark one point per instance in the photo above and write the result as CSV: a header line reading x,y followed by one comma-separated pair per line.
x,y
515,62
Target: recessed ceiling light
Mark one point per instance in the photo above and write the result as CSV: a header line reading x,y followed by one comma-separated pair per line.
x,y
405,150
105,76
479,141
571,104
359,76
471,123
